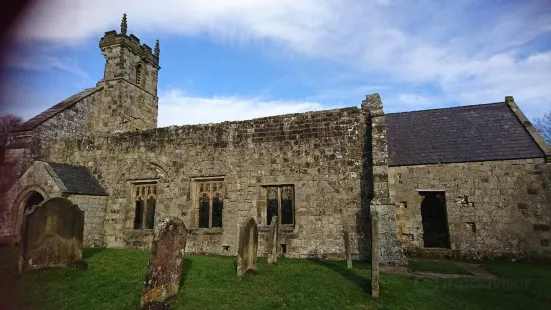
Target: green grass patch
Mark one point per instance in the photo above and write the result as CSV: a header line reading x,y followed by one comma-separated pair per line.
x,y
445,267
114,280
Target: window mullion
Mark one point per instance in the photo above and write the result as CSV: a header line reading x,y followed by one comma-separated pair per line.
x,y
144,213
278,205
210,205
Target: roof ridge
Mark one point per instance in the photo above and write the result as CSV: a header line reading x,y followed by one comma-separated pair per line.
x,y
465,134
449,108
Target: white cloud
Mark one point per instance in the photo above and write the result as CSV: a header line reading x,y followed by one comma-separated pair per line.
x,y
471,51
178,108
38,62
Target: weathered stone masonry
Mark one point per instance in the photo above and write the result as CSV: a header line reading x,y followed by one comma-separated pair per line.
x,y
319,153
491,168
494,208
484,169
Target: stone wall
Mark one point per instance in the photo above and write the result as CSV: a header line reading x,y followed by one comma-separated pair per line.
x,y
94,215
125,107
40,178
128,104
320,153
36,178
494,208
71,122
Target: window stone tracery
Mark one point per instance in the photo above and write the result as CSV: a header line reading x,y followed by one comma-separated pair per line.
x,y
210,202
144,197
280,202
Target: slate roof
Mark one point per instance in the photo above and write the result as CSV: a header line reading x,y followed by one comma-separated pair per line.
x,y
77,179
65,104
460,134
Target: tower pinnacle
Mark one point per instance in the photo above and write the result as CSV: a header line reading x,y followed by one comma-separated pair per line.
x,y
157,49
124,26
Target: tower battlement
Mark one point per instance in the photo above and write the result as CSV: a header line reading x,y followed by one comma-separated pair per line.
x,y
130,78
132,42
112,38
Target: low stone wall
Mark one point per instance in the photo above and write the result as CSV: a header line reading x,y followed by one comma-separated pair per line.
x,y
94,216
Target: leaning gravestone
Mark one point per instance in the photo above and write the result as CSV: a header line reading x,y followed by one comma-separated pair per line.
x,y
347,252
272,241
166,258
51,235
248,247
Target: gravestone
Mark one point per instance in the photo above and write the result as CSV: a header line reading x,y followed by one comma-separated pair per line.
x,y
166,258
51,235
272,241
248,247
375,253
347,252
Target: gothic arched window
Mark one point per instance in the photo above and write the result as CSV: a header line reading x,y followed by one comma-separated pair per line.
x,y
144,197
139,74
280,202
210,203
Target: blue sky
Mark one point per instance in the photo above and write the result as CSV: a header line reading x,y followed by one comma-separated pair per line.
x,y
240,59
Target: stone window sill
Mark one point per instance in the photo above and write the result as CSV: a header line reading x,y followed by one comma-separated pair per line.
x,y
139,231
286,228
207,231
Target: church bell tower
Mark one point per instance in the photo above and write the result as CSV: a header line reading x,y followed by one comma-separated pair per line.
x,y
129,100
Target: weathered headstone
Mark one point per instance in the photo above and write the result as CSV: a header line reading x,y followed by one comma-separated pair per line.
x,y
248,247
347,252
51,235
375,253
166,258
272,241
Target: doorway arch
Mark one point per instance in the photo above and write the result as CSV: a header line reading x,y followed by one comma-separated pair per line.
x,y
25,201
32,199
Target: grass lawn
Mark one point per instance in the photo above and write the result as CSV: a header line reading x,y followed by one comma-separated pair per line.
x,y
437,267
114,280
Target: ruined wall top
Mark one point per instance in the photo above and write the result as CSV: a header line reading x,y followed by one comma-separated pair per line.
x,y
373,105
318,125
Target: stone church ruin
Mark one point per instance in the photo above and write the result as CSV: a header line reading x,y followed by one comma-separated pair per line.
x,y
471,181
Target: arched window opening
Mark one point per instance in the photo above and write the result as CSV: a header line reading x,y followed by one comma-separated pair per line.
x,y
139,74
139,214
217,206
280,202
272,204
144,197
204,211
210,203
33,199
150,216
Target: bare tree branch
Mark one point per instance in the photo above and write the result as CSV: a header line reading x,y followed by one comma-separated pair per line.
x,y
543,125
7,123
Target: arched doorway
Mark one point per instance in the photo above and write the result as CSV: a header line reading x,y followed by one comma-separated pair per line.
x,y
32,199
28,198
